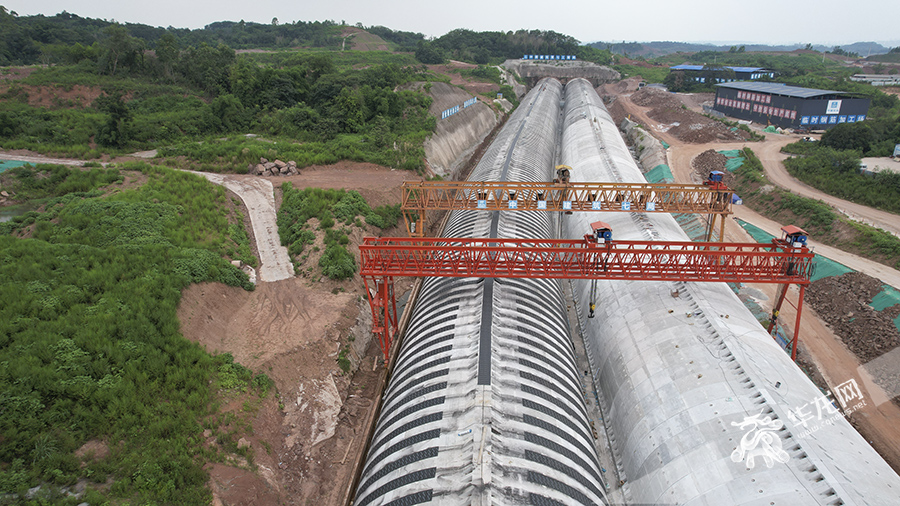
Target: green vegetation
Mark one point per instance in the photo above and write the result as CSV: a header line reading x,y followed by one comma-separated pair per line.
x,y
29,183
650,74
833,164
327,206
495,47
837,173
817,218
319,114
187,93
26,40
483,72
90,348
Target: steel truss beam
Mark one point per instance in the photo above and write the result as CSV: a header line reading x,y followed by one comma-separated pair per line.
x,y
422,196
382,259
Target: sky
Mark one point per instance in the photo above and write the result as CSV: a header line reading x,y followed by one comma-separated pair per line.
x,y
828,22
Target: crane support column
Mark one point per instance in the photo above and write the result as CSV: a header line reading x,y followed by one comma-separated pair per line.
x,y
380,291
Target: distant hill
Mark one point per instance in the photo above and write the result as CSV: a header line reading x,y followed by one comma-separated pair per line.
x,y
662,48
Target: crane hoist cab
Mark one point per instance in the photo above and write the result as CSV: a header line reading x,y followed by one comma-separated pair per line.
x,y
716,180
563,173
601,234
794,237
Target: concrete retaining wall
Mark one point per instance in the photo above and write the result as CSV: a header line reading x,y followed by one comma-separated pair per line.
x,y
564,71
456,137
651,152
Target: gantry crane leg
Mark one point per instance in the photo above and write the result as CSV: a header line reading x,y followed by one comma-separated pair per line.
x,y
380,291
782,293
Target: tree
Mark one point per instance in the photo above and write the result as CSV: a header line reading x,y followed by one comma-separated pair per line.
x,y
857,136
120,48
230,112
427,53
115,131
167,53
675,81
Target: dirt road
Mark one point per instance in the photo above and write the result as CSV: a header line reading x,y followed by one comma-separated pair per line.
x,y
259,196
877,218
769,153
35,159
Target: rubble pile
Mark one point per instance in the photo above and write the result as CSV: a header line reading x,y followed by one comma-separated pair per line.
x,y
843,302
685,124
708,161
276,168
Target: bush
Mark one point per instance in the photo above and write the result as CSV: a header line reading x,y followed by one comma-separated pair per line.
x,y
337,263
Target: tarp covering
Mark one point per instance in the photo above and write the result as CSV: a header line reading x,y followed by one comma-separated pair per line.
x,y
770,129
735,160
694,225
888,297
660,174
825,267
10,164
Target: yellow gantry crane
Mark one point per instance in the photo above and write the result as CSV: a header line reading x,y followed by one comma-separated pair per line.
x,y
561,195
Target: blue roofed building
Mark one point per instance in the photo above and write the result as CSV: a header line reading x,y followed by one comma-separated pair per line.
x,y
722,73
789,106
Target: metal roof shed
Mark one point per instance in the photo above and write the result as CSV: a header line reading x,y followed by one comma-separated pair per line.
x,y
789,106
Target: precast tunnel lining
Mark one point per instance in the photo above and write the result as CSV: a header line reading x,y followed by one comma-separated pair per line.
x,y
486,405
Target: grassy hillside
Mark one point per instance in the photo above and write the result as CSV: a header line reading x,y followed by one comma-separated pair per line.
x,y
90,349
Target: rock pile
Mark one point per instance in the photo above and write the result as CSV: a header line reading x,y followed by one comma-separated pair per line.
x,y
711,160
843,302
683,123
276,168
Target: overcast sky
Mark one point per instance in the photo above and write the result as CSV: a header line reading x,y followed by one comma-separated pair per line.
x,y
760,21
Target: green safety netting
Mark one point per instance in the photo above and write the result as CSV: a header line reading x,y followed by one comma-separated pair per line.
x,y
10,164
694,225
733,129
770,129
825,267
735,160
660,174
733,164
665,144
888,297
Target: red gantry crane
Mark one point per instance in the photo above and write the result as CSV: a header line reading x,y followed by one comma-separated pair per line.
x,y
597,256
712,198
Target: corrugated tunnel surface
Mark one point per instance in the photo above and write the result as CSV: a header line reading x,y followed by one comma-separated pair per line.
x,y
701,406
485,403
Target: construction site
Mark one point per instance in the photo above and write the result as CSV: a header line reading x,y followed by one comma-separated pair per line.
x,y
576,308
579,332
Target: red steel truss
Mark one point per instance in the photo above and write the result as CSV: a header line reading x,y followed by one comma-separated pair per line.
x,y
419,197
382,259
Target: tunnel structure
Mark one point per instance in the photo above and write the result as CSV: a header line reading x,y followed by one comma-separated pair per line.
x,y
687,377
486,404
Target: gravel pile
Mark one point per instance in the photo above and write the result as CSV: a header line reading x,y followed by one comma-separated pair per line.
x,y
843,302
708,161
